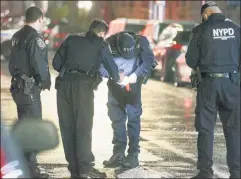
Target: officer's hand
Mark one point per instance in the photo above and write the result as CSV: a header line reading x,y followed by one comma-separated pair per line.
x,y
125,81
132,78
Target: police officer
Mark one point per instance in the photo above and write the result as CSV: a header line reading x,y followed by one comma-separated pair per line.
x,y
79,59
134,59
215,50
28,66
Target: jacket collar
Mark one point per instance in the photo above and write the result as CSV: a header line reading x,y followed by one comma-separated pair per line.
x,y
216,16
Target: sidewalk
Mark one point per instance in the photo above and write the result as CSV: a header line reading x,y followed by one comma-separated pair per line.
x,y
102,134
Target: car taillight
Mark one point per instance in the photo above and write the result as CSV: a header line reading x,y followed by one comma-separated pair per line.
x,y
176,46
60,35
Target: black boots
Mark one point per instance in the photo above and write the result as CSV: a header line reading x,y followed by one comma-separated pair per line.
x,y
93,173
115,160
119,160
131,161
204,173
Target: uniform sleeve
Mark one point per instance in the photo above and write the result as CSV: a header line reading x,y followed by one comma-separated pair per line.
x,y
239,55
193,50
59,57
147,57
38,58
109,64
103,72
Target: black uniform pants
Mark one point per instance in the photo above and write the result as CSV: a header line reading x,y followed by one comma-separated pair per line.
x,y
28,106
223,96
75,102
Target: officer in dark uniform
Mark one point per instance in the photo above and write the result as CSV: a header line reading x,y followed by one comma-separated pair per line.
x,y
28,66
78,61
134,58
215,50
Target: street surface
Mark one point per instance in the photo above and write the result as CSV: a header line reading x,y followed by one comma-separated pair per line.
x,y
168,138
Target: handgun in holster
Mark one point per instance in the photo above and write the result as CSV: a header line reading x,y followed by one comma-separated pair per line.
x,y
146,77
95,77
235,77
28,83
59,77
16,85
195,77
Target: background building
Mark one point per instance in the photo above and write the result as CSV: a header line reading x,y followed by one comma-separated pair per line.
x,y
169,9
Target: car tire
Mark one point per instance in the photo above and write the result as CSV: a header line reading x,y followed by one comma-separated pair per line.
x,y
6,49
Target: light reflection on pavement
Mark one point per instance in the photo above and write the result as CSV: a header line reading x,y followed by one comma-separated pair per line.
x,y
168,138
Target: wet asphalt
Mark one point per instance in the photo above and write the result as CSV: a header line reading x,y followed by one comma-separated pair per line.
x,y
167,131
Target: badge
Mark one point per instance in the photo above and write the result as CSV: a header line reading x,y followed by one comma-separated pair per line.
x,y
40,43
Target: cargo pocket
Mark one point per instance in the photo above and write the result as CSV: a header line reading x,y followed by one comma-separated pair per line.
x,y
134,112
115,111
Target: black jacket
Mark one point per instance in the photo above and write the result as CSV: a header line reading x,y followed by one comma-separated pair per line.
x,y
85,51
29,56
215,45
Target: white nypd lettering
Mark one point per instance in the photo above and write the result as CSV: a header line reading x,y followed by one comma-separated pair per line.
x,y
223,34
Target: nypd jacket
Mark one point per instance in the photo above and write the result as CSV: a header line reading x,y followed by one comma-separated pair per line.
x,y
144,55
29,56
215,45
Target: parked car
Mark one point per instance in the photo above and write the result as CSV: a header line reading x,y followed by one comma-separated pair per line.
x,y
154,28
120,24
17,141
173,42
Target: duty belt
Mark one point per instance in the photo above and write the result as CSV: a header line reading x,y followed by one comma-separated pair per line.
x,y
76,71
215,75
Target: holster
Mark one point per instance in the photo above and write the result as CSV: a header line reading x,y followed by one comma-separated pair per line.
x,y
95,81
235,77
195,77
59,77
57,82
28,83
95,77
16,85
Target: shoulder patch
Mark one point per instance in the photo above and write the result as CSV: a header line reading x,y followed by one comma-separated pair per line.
x,y
40,43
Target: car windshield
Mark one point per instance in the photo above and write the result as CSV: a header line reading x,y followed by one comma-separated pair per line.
x,y
183,37
135,27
